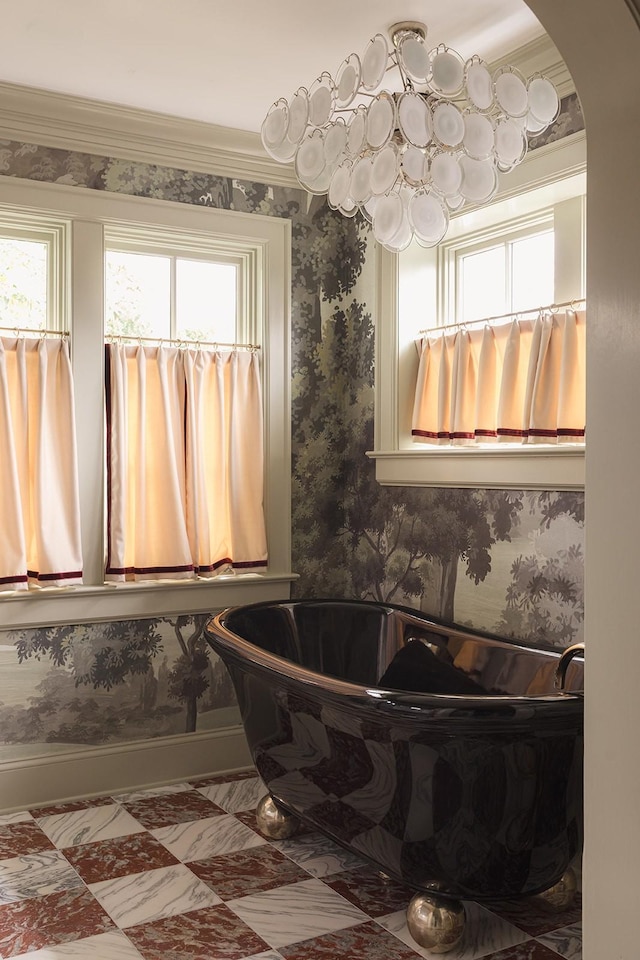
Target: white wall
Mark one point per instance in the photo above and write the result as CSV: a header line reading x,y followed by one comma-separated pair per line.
x,y
600,43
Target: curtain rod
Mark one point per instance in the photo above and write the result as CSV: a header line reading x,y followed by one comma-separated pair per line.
x,y
160,341
20,331
550,308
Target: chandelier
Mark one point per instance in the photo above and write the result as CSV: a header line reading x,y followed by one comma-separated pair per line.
x,y
408,159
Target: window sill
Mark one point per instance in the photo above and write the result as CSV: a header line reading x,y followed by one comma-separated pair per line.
x,y
526,468
124,601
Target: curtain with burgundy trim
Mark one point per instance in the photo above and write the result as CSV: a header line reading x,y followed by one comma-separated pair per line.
x,y
517,382
40,542
184,463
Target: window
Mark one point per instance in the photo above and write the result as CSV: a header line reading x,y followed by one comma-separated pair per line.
x,y
97,265
167,295
23,282
495,278
540,214
31,271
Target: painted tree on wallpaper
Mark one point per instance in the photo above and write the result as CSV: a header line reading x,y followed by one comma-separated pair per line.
x,y
545,598
117,657
355,537
188,678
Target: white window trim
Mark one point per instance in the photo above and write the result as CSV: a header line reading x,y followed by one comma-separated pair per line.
x,y
557,169
84,216
53,233
127,239
451,251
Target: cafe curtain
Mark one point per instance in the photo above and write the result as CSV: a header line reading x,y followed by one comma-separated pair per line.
x,y
39,504
184,463
516,382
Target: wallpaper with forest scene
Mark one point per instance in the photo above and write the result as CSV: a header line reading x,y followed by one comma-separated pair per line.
x,y
509,562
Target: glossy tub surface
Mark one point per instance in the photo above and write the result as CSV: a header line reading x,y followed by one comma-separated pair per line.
x,y
444,757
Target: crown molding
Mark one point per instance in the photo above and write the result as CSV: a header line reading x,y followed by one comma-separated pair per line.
x,y
65,122
540,56
89,126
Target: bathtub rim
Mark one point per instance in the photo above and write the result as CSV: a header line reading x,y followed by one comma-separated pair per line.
x,y
344,691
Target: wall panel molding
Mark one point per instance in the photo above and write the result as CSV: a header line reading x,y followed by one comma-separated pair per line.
x,y
116,768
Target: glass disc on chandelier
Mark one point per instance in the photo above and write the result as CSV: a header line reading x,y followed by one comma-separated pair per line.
x,y
407,157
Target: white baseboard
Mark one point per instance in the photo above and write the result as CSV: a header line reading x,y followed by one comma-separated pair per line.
x,y
62,777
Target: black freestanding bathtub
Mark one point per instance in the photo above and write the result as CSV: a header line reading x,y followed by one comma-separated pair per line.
x,y
447,759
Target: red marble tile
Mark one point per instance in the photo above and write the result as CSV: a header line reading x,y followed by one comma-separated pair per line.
x,y
370,891
366,941
56,918
531,950
120,857
534,918
215,932
248,817
70,807
166,809
17,839
247,871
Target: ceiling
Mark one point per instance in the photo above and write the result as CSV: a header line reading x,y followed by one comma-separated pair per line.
x,y
226,63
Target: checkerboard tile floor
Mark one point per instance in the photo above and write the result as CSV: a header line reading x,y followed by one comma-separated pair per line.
x,y
180,873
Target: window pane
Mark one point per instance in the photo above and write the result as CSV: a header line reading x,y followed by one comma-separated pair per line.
x,y
206,306
482,284
138,298
533,272
23,283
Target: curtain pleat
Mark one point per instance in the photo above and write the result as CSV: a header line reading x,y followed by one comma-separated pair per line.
x,y
188,501
518,382
39,498
246,463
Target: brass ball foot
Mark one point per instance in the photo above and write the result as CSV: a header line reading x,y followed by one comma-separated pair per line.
x,y
274,822
435,923
561,895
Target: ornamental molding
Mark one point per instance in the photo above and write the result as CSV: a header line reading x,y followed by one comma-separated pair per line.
x,y
65,122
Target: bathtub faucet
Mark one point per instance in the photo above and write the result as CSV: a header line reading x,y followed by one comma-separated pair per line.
x,y
563,663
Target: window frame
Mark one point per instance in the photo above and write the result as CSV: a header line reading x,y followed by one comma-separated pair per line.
x,y
53,233
82,219
502,235
127,239
546,178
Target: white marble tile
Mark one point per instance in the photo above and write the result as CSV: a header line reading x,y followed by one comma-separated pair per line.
x,y
319,855
484,934
104,946
567,942
237,795
296,912
35,875
211,837
19,817
161,791
89,825
153,895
